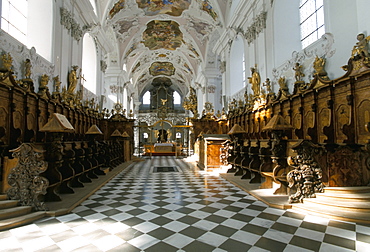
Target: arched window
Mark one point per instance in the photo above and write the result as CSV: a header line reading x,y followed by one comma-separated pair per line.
x,y
237,65
176,98
146,98
89,63
312,23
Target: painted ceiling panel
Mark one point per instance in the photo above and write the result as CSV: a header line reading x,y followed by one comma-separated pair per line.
x,y
173,34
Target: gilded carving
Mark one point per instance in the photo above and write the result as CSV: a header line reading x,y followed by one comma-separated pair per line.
x,y
191,102
361,46
319,67
7,61
25,180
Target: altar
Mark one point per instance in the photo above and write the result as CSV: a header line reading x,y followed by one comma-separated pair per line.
x,y
162,149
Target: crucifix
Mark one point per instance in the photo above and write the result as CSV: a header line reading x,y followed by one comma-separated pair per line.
x,y
81,77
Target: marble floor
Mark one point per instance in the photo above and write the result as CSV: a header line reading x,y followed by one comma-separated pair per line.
x,y
166,204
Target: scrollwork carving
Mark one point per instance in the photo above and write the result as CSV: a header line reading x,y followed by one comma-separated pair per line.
x,y
70,24
25,180
307,173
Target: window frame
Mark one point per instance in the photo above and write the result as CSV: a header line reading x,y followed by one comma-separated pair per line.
x,y
316,29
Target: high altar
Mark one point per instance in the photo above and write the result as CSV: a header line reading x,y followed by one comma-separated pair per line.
x,y
162,149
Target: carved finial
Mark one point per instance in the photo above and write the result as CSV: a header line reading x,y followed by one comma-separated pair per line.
x,y
7,61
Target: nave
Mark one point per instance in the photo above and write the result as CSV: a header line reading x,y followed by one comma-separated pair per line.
x,y
168,204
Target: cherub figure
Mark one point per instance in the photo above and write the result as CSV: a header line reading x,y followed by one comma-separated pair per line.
x,y
298,72
267,84
57,83
361,47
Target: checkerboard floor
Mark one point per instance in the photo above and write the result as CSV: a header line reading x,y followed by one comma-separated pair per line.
x,y
188,210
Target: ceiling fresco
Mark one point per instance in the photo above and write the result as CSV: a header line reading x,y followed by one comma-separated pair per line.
x,y
162,34
162,68
170,7
116,8
162,38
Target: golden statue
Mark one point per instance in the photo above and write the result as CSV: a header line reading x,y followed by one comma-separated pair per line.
x,y
57,84
298,73
267,84
164,101
43,88
72,80
255,81
44,81
169,134
319,65
27,71
283,86
361,47
131,114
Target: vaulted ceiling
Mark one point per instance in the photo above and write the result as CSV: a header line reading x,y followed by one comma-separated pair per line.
x,y
169,39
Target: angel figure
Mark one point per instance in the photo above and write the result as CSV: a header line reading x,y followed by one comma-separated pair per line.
x,y
164,101
298,72
361,47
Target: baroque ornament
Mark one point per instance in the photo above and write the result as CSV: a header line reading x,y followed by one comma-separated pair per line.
x,y
70,24
256,28
25,180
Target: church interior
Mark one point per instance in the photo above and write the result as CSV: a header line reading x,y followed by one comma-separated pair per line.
x,y
184,125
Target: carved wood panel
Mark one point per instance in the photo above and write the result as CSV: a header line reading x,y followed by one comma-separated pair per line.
x,y
363,115
4,115
344,167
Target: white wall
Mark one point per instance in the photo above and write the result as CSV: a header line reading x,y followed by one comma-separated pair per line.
x,y
40,27
236,65
286,32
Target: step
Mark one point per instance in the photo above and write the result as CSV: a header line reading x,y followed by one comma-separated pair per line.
x,y
348,190
21,220
8,203
333,213
353,205
345,196
14,211
3,197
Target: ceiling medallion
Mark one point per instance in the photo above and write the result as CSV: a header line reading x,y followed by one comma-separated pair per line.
x,y
162,34
162,68
169,7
